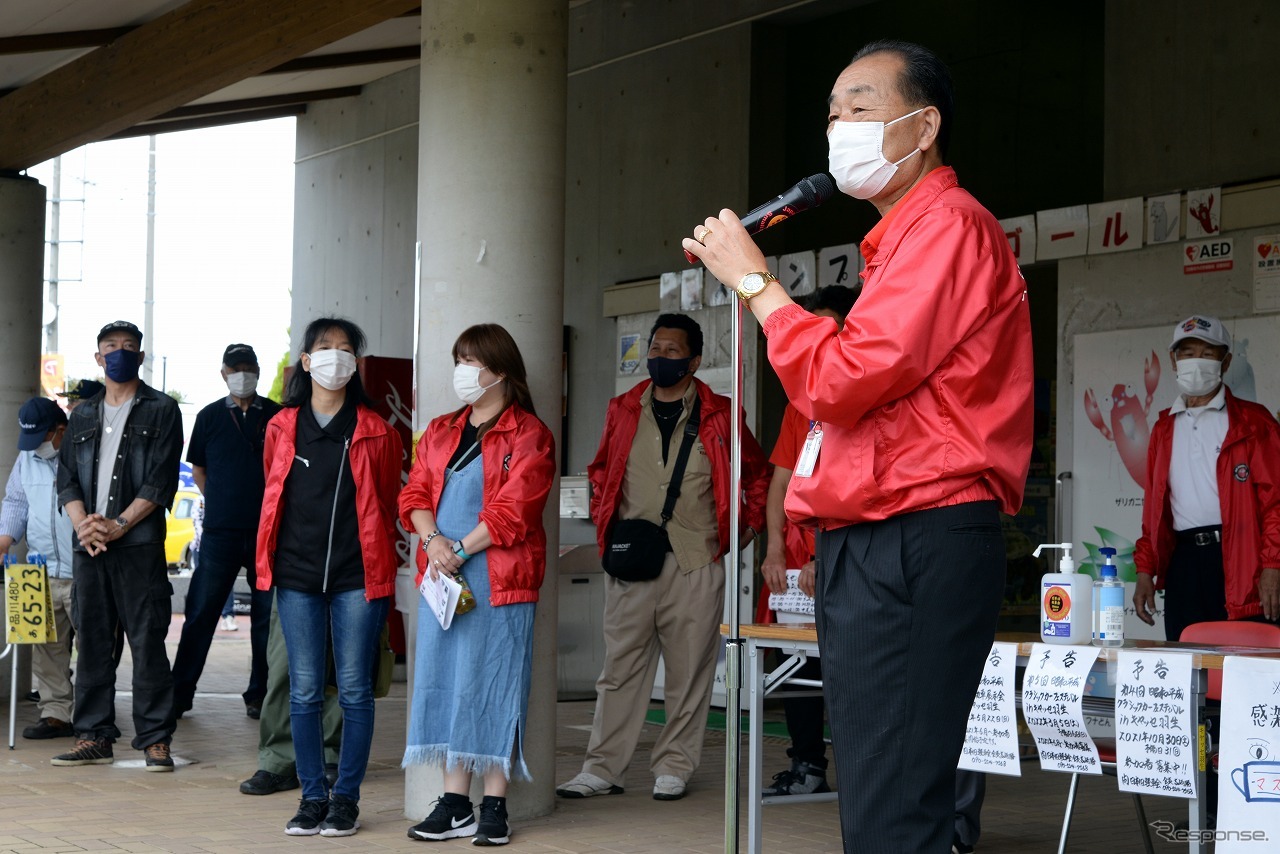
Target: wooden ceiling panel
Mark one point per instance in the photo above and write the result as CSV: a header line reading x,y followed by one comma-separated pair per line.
x,y
189,52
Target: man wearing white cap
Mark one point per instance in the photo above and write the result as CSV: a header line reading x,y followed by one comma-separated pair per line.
x,y
1211,512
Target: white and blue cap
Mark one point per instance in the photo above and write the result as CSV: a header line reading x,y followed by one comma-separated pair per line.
x,y
1203,326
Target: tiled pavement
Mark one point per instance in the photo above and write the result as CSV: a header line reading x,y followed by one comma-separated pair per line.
x,y
198,808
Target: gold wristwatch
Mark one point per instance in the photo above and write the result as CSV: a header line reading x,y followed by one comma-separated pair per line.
x,y
754,283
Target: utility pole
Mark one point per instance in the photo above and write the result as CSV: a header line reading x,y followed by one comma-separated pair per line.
x,y
55,222
149,301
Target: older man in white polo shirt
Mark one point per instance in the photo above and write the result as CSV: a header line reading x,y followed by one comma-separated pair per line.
x,y
1211,513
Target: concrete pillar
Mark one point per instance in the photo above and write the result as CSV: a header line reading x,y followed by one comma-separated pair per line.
x,y
491,229
22,295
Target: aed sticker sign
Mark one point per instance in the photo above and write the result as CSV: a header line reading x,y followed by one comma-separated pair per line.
x,y
1208,256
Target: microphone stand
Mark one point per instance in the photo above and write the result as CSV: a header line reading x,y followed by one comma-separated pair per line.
x,y
733,643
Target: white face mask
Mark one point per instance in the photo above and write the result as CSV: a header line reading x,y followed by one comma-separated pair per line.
x,y
466,383
1198,377
332,369
856,157
244,384
46,450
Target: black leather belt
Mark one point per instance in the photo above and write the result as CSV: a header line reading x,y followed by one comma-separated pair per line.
x,y
1201,536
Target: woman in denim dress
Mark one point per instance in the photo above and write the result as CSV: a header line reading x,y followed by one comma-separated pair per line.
x,y
475,498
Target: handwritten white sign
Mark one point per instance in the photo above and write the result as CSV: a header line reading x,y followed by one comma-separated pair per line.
x,y
1249,756
1155,744
1052,694
991,742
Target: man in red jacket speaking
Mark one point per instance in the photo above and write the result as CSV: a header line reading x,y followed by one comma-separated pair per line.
x,y
922,432
1211,508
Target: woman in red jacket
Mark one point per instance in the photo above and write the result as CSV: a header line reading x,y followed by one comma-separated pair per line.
x,y
475,498
326,542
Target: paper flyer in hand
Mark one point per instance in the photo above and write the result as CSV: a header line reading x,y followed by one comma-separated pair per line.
x,y
793,601
441,596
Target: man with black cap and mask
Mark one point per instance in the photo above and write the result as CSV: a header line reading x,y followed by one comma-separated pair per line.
x,y
677,610
117,472
225,453
31,509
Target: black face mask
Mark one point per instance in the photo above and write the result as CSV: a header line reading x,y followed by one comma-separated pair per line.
x,y
667,372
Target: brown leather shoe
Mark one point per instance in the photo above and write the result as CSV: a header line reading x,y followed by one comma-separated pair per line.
x,y
48,728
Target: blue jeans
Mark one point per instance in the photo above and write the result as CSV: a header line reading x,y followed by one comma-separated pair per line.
x,y
222,553
307,621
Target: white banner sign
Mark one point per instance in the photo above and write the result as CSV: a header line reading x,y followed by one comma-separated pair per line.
x,y
1204,212
1115,226
797,274
839,265
1021,233
1052,693
1164,218
1249,757
1155,742
991,742
1062,232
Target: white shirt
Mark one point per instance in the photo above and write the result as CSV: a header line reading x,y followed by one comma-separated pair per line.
x,y
1198,434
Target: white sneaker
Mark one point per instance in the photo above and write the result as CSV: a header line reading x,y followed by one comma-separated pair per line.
x,y
587,785
668,788
229,624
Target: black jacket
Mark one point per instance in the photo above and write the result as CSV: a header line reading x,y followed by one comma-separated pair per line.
x,y
147,467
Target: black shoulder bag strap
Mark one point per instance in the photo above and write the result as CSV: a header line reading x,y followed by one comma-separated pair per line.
x,y
682,460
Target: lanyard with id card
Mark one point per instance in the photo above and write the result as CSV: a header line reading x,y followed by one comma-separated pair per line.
x,y
809,453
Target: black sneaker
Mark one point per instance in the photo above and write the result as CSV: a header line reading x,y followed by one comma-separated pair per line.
x,y
958,846
801,778
88,751
266,783
493,829
453,817
49,728
158,757
341,820
253,710
307,821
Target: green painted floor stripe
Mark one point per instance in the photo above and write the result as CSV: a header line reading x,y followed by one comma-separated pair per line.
x,y
715,721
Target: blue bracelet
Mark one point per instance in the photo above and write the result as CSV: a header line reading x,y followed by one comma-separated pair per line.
x,y
459,551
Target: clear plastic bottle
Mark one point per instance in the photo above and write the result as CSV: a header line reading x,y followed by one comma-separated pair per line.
x,y
1065,598
1108,603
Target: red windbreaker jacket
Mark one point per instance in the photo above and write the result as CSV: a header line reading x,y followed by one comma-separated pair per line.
x,y
607,470
1248,492
376,456
925,395
519,457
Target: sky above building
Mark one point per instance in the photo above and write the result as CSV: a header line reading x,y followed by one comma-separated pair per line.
x,y
223,250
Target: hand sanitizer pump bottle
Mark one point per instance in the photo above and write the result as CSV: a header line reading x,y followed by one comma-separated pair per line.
x,y
1108,603
1065,601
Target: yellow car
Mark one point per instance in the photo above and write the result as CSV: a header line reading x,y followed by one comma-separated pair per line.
x,y
180,528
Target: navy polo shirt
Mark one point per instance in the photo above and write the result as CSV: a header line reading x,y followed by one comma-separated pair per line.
x,y
227,443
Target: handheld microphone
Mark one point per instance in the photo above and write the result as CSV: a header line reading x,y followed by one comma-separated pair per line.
x,y
809,193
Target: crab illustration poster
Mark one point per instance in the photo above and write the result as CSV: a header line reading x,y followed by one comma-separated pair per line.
x,y
1123,380
1249,756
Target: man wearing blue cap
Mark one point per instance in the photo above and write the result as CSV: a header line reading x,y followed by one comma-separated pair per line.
x,y
31,509
117,474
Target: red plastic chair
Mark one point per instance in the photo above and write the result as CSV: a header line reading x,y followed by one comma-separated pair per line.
x,y
1230,633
